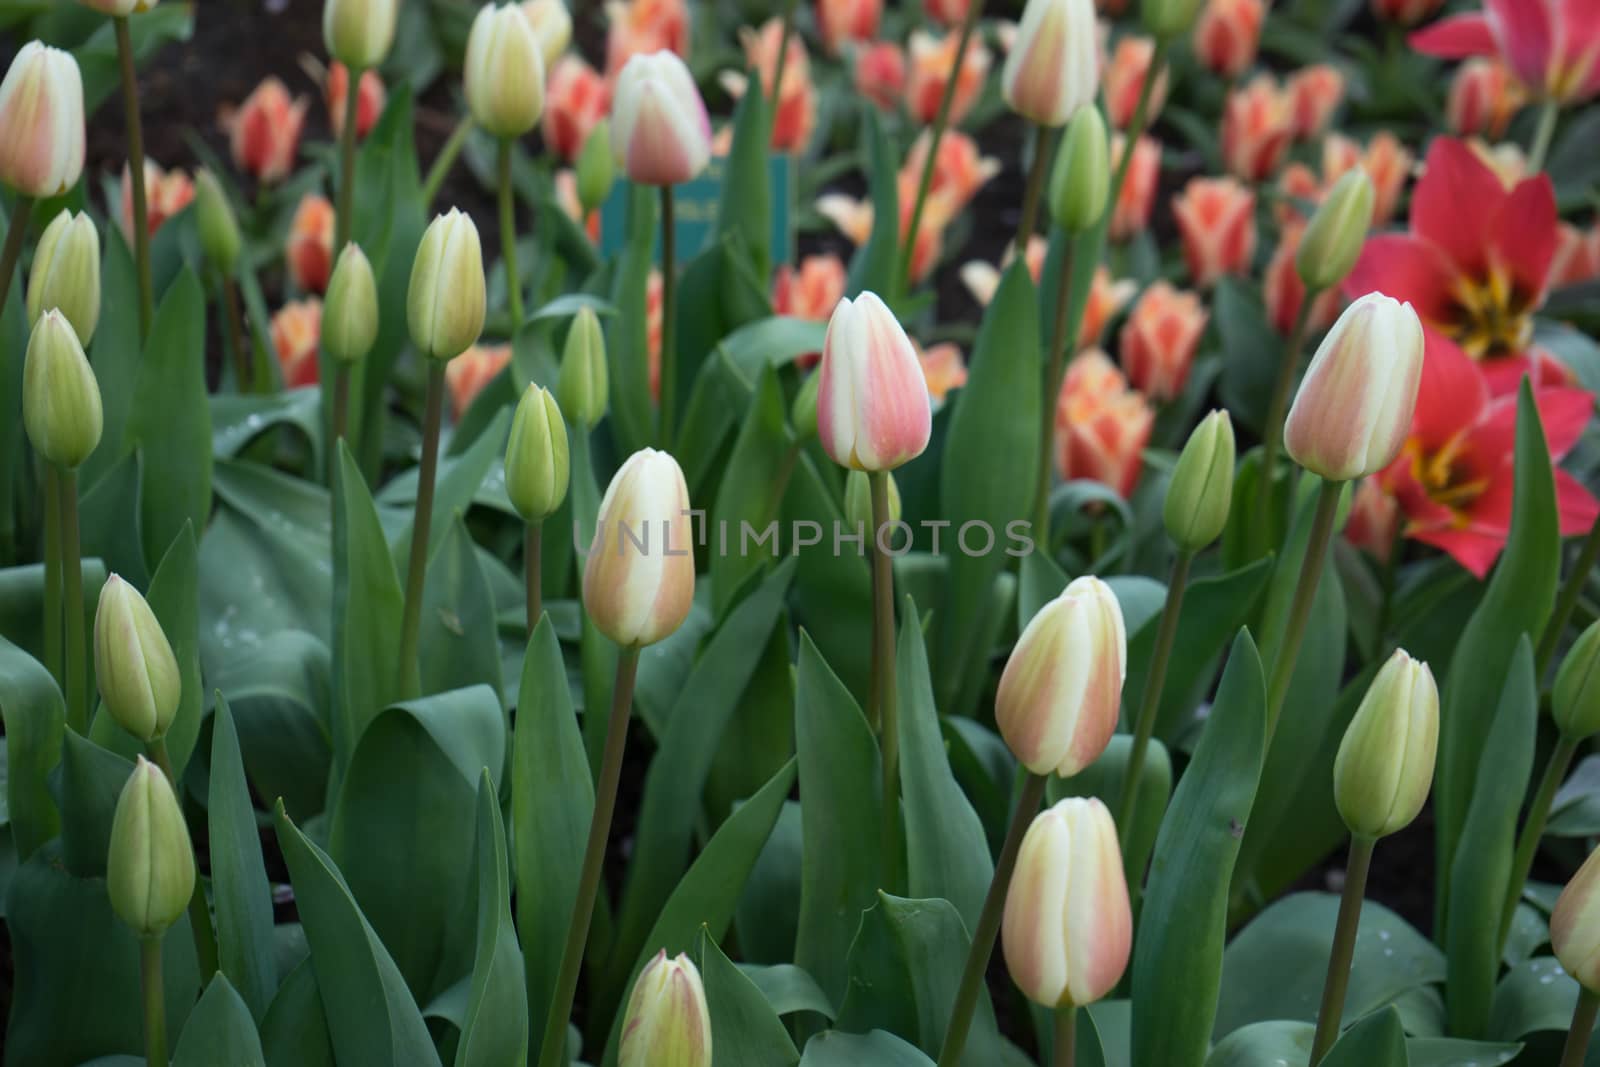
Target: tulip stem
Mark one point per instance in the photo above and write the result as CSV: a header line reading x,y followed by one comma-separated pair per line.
x,y
205,939
410,677
243,359
341,419
1305,591
72,604
150,981
883,652
1568,600
141,207
553,1051
1532,830
669,319
52,573
1066,1053
1543,135
1582,1026
994,905
1277,410
1344,946
16,233
445,161
941,120
343,215
1150,701
508,236
532,555
1043,142
1056,368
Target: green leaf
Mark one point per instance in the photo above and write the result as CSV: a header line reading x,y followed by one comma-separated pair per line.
x,y
109,520
879,1048
746,208
457,482
833,586
1177,964
751,492
1517,601
240,892
294,1032
789,989
219,1031
1376,1041
371,1016
34,720
459,643
718,292
495,1031
237,420
1483,858
1272,1044
114,354
632,415
876,263
86,790
745,1029
1537,995
1103,778
174,597
774,341
768,916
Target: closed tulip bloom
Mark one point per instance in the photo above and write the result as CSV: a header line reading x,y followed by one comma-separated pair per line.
x,y
1226,36
596,171
264,134
359,33
1575,703
60,396
119,8
1201,491
219,230
445,303
1384,768
1068,927
583,384
1062,687
536,456
66,273
150,865
133,662
41,122
552,27
1080,180
842,21
1332,243
1575,925
1167,19
504,72
667,1023
873,412
308,252
1353,410
1283,290
1158,342
350,313
1053,68
660,132
296,331
1217,222
638,582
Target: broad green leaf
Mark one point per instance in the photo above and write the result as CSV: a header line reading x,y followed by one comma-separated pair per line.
x,y
751,492
109,522
1103,778
789,989
34,720
876,263
495,1030
457,482
1537,995
773,341
718,292
833,1048
86,788
719,393
174,597
746,207
240,892
1575,811
219,1031
1376,1041
458,645
1177,963
768,916
294,1032
238,420
833,586
1275,1043
632,416
114,354
745,1028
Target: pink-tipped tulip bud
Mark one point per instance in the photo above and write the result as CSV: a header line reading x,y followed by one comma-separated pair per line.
x,y
359,33
1575,925
1201,491
660,132
1333,241
638,582
1384,768
140,684
504,72
1062,687
66,273
41,122
60,396
1353,410
1575,701
119,8
1053,68
667,1022
873,412
1068,926
150,866
445,304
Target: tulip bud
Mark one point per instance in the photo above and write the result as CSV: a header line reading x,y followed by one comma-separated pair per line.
x,y
596,167
138,675
1384,768
1081,178
350,312
445,302
60,397
119,8
803,413
66,273
1353,410
150,866
536,456
1068,927
504,72
667,1021
1053,68
660,132
1575,703
358,33
219,230
858,501
582,386
41,122
1575,925
1062,687
1201,491
1338,229
1169,18
552,27
873,412
638,582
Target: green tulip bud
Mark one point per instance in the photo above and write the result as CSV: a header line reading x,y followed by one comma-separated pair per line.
x,y
445,303
60,397
858,500
583,385
1338,229
1575,703
536,456
350,310
667,1021
66,273
503,72
1385,763
359,33
219,230
596,167
150,868
138,675
1167,19
1081,179
803,414
1201,491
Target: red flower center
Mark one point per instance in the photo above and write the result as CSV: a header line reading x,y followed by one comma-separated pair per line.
x,y
1491,317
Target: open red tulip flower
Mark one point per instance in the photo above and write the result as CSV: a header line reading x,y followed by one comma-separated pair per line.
x,y
1553,45
1475,264
1453,477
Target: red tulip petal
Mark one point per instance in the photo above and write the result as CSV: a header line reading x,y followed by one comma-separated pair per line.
x,y
1456,203
1526,37
1577,505
1525,235
1406,268
1505,373
1474,549
1457,38
1565,413
1452,394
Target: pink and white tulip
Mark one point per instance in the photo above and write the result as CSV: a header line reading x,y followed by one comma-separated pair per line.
x,y
660,132
638,581
872,404
1575,924
1053,68
41,122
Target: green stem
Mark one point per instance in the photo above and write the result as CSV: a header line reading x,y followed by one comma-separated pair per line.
x,y
343,216
1277,410
155,1012
508,236
994,905
1568,600
1136,126
1344,947
243,358
1582,1026
883,652
553,1052
1543,135
141,207
16,233
1055,370
341,416
1066,1053
52,574
1150,701
1532,830
411,619
445,160
669,319
1043,141
532,555
76,659
1305,591
205,939
940,122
